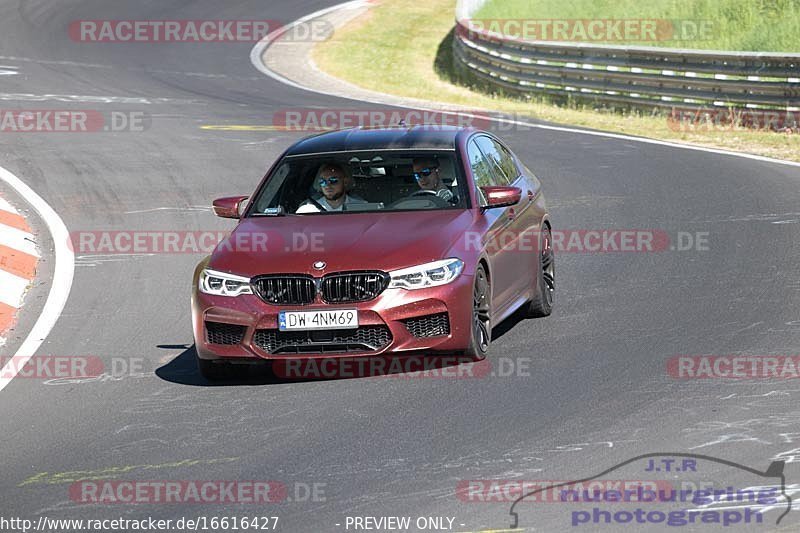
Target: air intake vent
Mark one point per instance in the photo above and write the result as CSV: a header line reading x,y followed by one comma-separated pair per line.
x,y
429,326
363,339
221,333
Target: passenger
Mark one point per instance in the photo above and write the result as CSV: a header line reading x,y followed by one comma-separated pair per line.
x,y
334,183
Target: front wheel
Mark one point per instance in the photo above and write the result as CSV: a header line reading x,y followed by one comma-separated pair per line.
x,y
481,321
542,302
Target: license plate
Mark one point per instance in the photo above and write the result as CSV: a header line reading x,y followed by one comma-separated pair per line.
x,y
313,320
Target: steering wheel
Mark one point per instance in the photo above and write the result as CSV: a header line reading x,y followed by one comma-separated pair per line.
x,y
429,195
423,192
317,205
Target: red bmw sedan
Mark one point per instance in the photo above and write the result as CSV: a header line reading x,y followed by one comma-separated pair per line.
x,y
362,242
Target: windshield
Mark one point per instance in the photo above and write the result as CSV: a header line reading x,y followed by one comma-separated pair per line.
x,y
348,182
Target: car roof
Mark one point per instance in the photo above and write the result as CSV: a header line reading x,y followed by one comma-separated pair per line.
x,y
422,137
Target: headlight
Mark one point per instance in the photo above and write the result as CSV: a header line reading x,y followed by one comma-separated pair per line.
x,y
427,275
222,284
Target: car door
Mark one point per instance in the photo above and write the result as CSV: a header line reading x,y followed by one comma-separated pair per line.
x,y
518,237
531,214
497,223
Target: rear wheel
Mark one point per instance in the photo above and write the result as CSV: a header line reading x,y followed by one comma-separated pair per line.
x,y
542,302
481,321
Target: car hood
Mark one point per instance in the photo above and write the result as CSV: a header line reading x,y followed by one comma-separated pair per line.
x,y
363,241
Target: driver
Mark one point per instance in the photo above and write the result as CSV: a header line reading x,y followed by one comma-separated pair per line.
x,y
426,172
333,182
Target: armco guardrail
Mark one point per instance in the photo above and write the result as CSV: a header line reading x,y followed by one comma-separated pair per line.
x,y
635,76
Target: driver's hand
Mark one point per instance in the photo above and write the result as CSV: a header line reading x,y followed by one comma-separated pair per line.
x,y
447,194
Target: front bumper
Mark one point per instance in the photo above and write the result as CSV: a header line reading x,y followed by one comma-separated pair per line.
x,y
255,324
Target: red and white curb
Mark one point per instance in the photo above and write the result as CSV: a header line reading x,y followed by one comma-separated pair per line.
x,y
18,259
60,284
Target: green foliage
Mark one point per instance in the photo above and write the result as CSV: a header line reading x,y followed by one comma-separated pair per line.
x,y
743,25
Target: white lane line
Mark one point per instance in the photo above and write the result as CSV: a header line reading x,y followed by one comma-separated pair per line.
x,y
90,99
13,289
61,283
258,50
46,62
263,44
5,206
96,260
18,240
190,208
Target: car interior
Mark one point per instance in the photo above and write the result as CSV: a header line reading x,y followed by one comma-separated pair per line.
x,y
384,182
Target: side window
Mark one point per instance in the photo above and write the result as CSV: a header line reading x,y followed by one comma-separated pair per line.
x,y
507,164
270,196
500,158
481,168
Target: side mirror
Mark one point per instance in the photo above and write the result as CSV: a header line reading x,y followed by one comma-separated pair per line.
x,y
230,207
497,196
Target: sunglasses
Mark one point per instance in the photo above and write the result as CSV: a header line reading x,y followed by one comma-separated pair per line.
x,y
424,173
323,182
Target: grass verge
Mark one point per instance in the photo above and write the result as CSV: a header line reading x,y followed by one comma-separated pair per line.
x,y
701,24
403,47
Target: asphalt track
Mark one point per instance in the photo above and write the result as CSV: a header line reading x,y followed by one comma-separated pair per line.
x,y
597,392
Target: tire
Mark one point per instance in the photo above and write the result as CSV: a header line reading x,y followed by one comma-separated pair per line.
x,y
480,319
542,302
213,371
